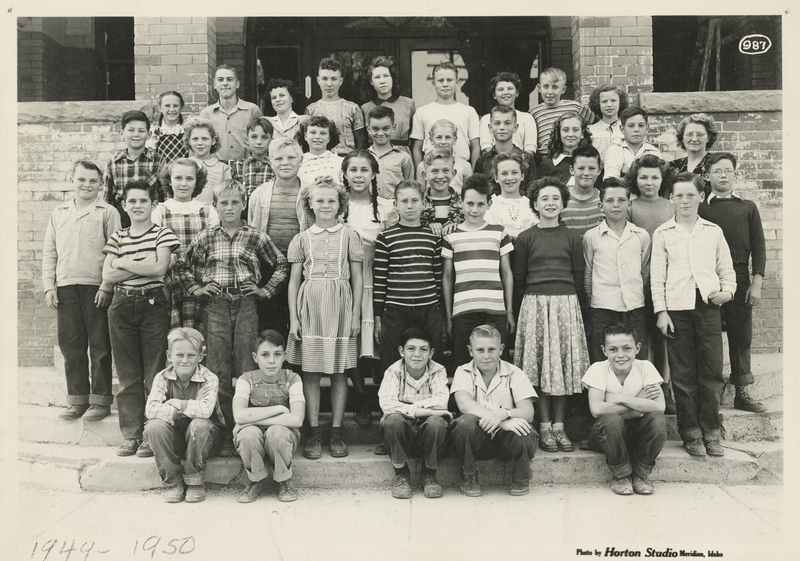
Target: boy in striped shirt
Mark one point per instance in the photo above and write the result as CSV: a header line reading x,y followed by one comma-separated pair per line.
x,y
408,271
583,210
477,281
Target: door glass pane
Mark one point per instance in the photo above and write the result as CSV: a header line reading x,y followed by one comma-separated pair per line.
x,y
354,63
422,64
275,62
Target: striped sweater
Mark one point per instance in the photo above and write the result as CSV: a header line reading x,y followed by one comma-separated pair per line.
x,y
408,267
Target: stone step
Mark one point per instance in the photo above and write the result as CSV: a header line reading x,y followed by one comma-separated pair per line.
x,y
41,424
768,454
97,468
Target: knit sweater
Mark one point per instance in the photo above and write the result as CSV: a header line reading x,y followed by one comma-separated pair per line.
x,y
548,261
741,225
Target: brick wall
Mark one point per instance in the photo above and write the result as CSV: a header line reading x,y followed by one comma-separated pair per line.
x,y
175,54
561,50
750,125
612,50
50,137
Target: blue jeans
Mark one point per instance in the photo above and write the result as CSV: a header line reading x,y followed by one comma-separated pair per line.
x,y
232,325
197,439
695,366
629,445
81,326
601,317
139,346
396,319
463,326
738,318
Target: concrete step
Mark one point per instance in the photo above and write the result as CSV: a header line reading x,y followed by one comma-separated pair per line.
x,y
97,468
768,454
767,374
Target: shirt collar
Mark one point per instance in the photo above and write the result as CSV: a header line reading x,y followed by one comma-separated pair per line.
x,y
200,374
712,196
378,101
317,230
371,150
502,371
557,159
604,228
238,107
145,155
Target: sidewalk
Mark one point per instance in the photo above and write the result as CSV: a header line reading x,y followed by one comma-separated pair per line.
x,y
741,522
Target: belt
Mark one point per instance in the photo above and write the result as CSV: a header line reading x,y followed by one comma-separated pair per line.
x,y
136,291
230,290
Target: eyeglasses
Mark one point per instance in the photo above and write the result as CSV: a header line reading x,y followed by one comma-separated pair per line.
x,y
721,172
696,135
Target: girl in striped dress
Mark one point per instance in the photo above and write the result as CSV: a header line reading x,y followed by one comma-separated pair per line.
x,y
167,136
182,213
368,214
325,291
203,142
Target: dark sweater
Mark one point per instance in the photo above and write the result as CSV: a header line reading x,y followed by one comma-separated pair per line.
x,y
548,261
741,225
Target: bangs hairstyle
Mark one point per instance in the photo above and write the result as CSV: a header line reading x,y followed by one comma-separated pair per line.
x,y
86,163
373,186
688,177
200,174
138,116
544,182
554,75
618,328
594,99
201,123
717,157
632,112
555,146
614,183
386,62
269,336
297,98
262,122
650,161
186,334
416,333
141,185
477,182
438,154
330,63
380,112
180,98
318,121
410,184
511,77
485,331
325,182
699,119
230,186
281,142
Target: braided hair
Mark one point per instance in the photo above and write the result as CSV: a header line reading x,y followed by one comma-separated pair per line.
x,y
373,163
180,98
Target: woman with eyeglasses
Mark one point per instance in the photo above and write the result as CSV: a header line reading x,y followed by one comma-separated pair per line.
x,y
696,134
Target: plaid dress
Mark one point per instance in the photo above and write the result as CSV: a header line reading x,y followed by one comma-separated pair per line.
x,y
185,310
168,142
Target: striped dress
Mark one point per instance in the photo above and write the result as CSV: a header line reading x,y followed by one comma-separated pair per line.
x,y
186,220
325,299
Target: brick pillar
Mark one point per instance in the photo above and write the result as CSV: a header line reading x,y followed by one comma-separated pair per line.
x,y
175,54
612,50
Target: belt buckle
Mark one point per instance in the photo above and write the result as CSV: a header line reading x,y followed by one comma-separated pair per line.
x,y
231,290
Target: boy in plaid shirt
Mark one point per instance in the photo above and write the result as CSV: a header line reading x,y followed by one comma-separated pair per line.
x,y
413,397
255,169
134,163
184,417
229,257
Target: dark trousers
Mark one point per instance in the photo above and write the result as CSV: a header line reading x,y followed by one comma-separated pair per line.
x,y
738,318
81,326
601,317
139,346
463,326
396,319
409,437
273,313
231,323
472,443
630,445
695,366
198,439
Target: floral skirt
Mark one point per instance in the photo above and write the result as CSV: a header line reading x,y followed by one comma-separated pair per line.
x,y
551,344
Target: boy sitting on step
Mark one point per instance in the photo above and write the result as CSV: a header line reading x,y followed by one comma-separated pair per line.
x,y
413,397
184,417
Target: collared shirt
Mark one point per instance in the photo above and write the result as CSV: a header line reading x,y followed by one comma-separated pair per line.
x,y
73,244
604,136
395,165
617,267
401,393
251,172
289,128
524,138
231,261
620,155
320,165
231,127
122,170
261,200
683,261
198,400
509,386
455,212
